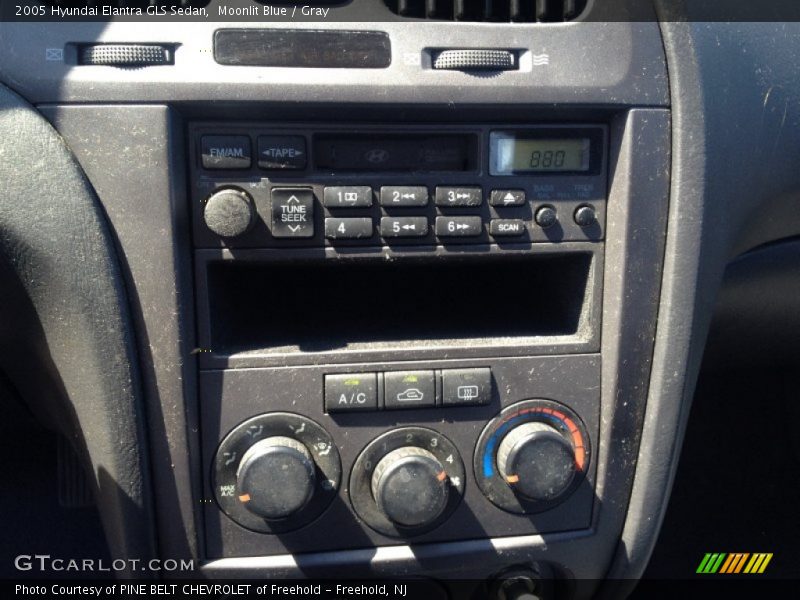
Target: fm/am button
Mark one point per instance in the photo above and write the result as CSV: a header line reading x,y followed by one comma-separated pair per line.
x,y
225,151
351,392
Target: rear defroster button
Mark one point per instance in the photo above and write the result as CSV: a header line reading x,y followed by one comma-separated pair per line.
x,y
466,386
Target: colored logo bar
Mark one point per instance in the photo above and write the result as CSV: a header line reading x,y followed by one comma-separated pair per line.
x,y
733,563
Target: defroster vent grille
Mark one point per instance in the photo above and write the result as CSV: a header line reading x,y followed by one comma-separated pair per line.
x,y
510,11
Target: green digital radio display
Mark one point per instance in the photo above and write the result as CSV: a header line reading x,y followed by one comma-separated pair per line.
x,y
513,154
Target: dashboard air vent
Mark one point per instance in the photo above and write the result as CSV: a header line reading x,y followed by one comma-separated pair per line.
x,y
515,11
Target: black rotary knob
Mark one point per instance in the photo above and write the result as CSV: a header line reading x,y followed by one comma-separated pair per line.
x,y
229,213
275,478
585,216
546,217
536,461
410,487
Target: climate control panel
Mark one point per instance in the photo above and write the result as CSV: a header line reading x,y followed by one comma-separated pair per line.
x,y
509,466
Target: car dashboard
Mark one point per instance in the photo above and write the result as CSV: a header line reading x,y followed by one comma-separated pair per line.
x,y
366,291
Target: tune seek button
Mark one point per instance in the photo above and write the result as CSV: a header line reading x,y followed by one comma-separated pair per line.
x,y
292,213
351,392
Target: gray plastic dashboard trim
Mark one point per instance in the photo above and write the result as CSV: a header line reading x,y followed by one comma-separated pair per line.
x,y
734,86
67,339
601,64
136,170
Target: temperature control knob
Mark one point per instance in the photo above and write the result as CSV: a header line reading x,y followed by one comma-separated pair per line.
x,y
532,456
536,461
275,478
410,487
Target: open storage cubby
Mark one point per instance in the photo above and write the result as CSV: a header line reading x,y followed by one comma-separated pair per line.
x,y
318,305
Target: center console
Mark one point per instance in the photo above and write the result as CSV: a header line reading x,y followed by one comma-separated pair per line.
x,y
399,330
392,321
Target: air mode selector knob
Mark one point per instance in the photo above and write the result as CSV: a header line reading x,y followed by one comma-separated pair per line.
x,y
275,478
536,461
229,213
410,487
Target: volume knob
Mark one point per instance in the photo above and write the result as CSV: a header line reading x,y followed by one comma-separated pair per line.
x,y
536,461
229,213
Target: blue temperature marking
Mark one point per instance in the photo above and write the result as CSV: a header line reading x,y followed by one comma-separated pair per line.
x,y
488,463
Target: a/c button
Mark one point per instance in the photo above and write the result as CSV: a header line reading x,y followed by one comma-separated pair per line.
x,y
351,392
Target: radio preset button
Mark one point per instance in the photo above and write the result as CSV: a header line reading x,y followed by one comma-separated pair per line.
x,y
458,226
282,152
409,389
459,196
394,195
395,227
292,213
350,228
225,151
506,227
507,198
347,196
350,392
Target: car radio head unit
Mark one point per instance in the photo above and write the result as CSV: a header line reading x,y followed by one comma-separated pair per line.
x,y
293,186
